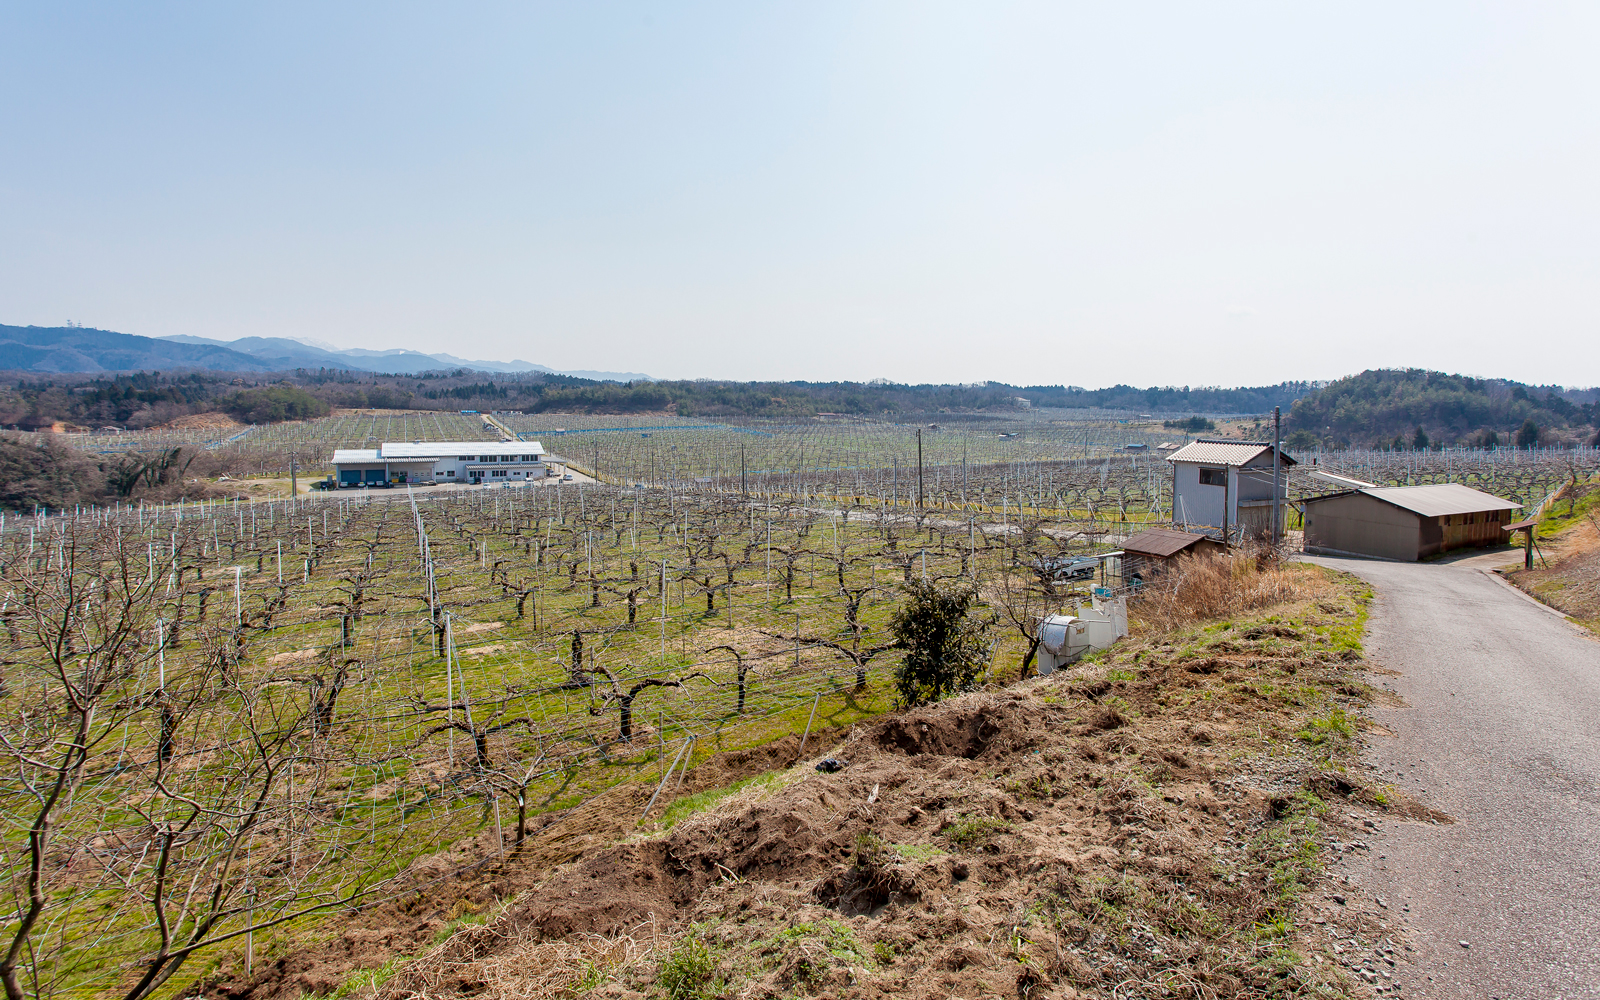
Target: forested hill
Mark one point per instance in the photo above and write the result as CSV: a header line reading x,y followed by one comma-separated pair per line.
x,y
1374,408
801,399
148,398
1413,407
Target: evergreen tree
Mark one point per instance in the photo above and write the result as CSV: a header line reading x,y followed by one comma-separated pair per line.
x,y
946,646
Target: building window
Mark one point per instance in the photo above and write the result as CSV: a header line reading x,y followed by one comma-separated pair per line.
x,y
463,458
1213,477
452,472
498,472
530,458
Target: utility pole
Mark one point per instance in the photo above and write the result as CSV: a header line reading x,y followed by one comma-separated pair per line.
x,y
919,468
294,483
1227,481
744,485
1277,430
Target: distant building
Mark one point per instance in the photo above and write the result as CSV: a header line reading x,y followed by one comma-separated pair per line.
x,y
1406,523
1021,402
1217,483
440,461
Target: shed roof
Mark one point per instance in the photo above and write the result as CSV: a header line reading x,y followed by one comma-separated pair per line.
x,y
1441,499
1437,500
1226,453
1163,542
343,456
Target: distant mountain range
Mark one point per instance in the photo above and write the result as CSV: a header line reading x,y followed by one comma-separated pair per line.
x,y
81,349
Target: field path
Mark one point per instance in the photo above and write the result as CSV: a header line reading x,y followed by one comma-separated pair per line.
x,y
1500,728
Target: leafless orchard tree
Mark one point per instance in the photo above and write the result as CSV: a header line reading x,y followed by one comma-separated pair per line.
x,y
169,810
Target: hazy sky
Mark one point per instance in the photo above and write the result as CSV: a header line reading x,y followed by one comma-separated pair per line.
x,y
1153,194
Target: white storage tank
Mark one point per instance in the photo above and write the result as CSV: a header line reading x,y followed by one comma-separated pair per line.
x,y
1065,638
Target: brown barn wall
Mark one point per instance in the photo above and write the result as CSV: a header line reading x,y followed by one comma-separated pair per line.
x,y
1363,525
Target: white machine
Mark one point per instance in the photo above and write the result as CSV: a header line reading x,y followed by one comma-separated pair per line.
x,y
1064,638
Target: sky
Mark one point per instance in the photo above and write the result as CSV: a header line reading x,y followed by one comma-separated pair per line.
x,y
1141,193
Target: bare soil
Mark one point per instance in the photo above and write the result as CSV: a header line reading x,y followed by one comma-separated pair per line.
x,y
468,879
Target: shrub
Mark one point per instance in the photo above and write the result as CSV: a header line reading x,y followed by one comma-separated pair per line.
x,y
1527,434
946,647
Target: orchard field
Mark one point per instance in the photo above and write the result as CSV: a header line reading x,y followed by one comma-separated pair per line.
x,y
239,717
226,722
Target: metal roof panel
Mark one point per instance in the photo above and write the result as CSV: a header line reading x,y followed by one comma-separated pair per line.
x,y
1234,453
1440,499
439,449
1163,542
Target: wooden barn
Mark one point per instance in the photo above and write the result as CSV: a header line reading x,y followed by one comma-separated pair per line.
x,y
1150,553
1406,523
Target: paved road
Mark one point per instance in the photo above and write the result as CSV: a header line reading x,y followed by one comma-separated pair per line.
x,y
1500,729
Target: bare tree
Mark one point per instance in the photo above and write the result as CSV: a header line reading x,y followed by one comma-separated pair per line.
x,y
624,702
88,618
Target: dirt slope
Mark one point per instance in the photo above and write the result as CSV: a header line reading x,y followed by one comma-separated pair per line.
x,y
1154,824
467,880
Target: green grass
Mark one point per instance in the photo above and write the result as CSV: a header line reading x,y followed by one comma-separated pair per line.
x,y
1562,514
837,939
1335,725
688,805
917,852
689,972
366,979
975,831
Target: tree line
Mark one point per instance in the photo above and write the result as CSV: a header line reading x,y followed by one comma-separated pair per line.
x,y
1417,409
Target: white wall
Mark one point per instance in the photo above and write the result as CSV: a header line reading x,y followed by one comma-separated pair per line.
x,y
1192,503
1202,505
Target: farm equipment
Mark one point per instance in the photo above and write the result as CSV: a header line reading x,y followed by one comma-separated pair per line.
x,y
1059,571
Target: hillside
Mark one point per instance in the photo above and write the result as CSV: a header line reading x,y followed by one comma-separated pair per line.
x,y
77,349
1385,408
1161,817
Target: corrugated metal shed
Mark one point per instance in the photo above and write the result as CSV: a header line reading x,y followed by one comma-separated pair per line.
x,y
1234,453
352,455
1440,499
1163,542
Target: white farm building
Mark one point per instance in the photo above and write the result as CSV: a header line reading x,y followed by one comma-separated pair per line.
x,y
403,462
1228,484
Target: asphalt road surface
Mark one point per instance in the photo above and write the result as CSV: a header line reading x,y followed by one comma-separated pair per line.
x,y
1500,728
